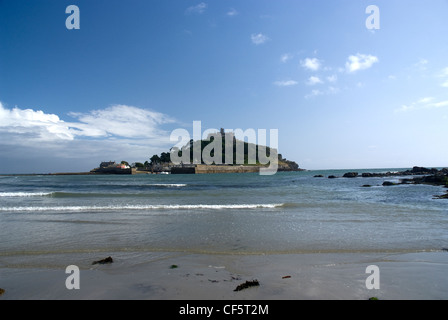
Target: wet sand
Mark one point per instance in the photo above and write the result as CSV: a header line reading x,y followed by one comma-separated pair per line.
x,y
186,276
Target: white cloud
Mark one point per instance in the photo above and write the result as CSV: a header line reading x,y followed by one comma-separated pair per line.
x,y
286,83
313,80
425,100
424,103
440,104
332,78
259,38
421,64
118,132
197,9
36,124
312,64
314,93
444,74
405,108
115,121
286,57
333,90
120,120
232,12
360,62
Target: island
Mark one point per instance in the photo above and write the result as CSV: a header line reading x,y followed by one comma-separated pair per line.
x,y
243,157
163,164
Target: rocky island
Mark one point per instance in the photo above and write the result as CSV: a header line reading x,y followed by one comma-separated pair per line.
x,y
224,141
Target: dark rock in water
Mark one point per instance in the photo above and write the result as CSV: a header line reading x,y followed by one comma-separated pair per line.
x,y
421,171
407,181
389,183
436,179
318,176
350,175
366,186
2,291
443,196
367,174
332,177
415,171
247,284
104,261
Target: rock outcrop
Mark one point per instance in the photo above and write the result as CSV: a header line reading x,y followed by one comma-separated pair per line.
x,y
415,171
431,176
350,175
288,165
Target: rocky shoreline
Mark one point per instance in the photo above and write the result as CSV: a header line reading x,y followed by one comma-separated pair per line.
x,y
424,175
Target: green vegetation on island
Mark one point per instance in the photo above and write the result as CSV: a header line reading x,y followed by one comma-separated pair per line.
x,y
242,153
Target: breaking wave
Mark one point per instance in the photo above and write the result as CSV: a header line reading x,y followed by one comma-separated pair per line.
x,y
25,194
144,207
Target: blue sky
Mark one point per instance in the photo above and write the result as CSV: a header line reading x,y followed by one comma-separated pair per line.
x,y
340,94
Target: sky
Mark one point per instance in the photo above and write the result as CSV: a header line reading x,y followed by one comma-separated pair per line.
x,y
344,86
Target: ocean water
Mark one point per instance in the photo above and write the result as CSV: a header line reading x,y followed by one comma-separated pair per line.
x,y
290,212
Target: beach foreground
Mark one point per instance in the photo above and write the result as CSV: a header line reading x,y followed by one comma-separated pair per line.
x,y
196,237
181,276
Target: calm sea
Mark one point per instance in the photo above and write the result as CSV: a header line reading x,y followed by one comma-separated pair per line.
x,y
289,212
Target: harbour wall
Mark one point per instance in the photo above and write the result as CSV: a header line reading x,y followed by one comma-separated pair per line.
x,y
203,169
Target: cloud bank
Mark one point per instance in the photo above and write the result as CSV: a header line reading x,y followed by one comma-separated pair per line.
x,y
111,133
117,120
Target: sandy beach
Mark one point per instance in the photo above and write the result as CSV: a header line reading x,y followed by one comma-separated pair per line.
x,y
200,237
181,276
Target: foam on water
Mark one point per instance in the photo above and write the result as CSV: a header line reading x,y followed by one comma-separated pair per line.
x,y
25,194
143,207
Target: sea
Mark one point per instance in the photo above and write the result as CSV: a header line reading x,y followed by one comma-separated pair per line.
x,y
45,217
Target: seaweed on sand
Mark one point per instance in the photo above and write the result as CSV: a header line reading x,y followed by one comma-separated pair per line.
x,y
247,284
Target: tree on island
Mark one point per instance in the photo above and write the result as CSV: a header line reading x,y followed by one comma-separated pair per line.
x,y
163,158
155,159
